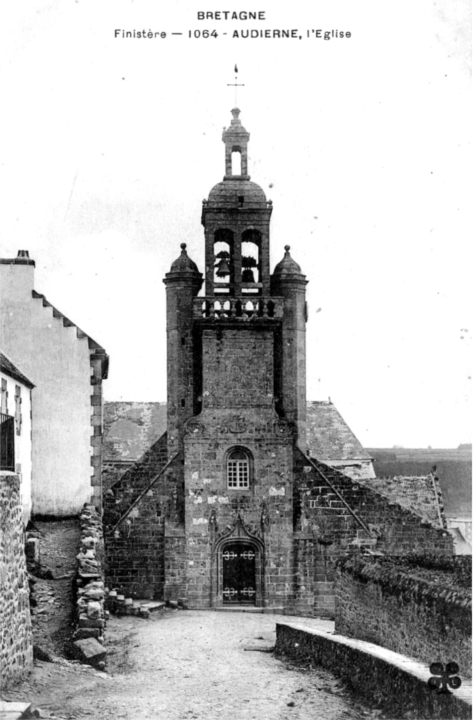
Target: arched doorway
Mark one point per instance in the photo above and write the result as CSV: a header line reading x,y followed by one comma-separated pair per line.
x,y
239,573
237,568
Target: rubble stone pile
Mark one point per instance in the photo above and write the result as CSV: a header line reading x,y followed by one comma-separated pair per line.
x,y
89,635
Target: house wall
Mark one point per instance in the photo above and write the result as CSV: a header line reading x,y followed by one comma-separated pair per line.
x,y
16,641
57,360
463,524
23,443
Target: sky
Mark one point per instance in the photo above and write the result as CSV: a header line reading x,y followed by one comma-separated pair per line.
x,y
363,144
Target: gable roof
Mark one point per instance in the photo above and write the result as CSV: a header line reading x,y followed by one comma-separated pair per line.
x,y
131,428
93,345
7,367
328,435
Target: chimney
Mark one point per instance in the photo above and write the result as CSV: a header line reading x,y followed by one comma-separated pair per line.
x,y
23,258
16,278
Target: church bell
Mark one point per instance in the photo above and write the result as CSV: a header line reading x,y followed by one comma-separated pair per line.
x,y
223,268
247,276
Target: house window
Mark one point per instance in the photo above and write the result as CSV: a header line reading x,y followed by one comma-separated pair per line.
x,y
18,417
7,442
4,409
238,469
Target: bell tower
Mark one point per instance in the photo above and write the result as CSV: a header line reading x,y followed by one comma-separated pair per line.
x,y
236,220
236,396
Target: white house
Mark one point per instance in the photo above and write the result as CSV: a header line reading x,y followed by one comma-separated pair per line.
x,y
15,428
67,368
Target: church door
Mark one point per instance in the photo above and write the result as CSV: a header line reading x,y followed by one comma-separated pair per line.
x,y
239,574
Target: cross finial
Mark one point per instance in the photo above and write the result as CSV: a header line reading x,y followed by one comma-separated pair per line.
x,y
236,85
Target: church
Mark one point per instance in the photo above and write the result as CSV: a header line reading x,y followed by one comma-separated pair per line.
x,y
236,504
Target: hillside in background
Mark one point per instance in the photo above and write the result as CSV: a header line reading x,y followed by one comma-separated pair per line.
x,y
453,468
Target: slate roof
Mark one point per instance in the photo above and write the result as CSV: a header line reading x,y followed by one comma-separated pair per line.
x,y
422,495
452,466
328,435
130,428
7,367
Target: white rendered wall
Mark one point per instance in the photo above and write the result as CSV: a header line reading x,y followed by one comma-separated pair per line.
x,y
23,449
58,363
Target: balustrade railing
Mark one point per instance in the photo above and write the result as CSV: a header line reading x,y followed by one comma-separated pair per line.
x,y
239,308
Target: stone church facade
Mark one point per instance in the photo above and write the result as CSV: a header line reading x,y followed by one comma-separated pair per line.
x,y
230,507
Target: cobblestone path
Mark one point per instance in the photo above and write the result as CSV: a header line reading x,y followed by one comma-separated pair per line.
x,y
184,665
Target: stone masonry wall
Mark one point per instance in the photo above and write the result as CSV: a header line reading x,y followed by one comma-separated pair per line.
x,y
399,603
397,691
325,529
134,548
16,641
264,508
237,367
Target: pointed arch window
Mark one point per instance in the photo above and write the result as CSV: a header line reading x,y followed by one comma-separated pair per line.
x,y
238,469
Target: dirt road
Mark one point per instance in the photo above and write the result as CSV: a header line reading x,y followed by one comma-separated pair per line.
x,y
52,594
184,665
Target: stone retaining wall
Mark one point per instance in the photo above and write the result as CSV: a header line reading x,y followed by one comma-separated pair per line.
x,y
417,605
393,683
16,641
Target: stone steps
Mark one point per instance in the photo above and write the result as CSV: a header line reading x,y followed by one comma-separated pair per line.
x,y
117,604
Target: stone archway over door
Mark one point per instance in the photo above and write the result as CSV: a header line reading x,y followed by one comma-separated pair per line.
x,y
239,573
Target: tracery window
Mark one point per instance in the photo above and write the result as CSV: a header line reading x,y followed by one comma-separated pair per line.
x,y
238,469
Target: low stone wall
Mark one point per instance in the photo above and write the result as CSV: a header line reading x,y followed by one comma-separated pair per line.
x,y
90,618
395,684
417,605
16,641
